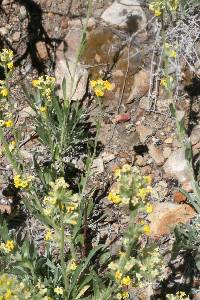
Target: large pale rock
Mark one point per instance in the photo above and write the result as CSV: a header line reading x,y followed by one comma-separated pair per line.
x,y
121,13
166,215
66,67
176,166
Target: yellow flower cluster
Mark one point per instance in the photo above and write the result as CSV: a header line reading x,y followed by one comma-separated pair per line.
x,y
4,92
58,290
169,50
48,235
60,197
46,85
73,265
20,183
179,296
156,8
159,6
130,187
100,86
8,246
6,57
7,124
11,289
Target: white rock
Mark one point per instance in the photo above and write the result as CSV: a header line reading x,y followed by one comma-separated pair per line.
x,y
117,14
176,166
3,31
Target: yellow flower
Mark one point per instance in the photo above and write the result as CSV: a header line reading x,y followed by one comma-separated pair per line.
x,y
4,92
125,295
107,85
36,82
173,54
93,83
126,280
73,265
8,295
142,193
118,275
70,208
48,235
43,109
163,82
8,123
58,290
9,245
149,208
117,172
126,168
99,92
10,65
147,229
19,183
147,179
114,198
73,222
157,12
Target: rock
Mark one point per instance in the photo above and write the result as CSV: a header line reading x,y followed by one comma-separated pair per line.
x,y
176,166
156,154
168,141
166,215
143,132
126,14
3,31
179,197
22,12
195,135
98,165
166,152
117,73
140,85
140,161
144,103
91,23
16,36
66,64
121,118
107,156
42,50
64,22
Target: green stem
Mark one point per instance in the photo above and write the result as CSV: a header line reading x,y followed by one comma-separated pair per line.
x,y
62,253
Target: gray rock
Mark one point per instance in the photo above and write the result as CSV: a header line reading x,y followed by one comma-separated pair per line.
x,y
118,14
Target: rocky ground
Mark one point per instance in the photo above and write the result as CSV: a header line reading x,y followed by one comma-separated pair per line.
x,y
136,129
